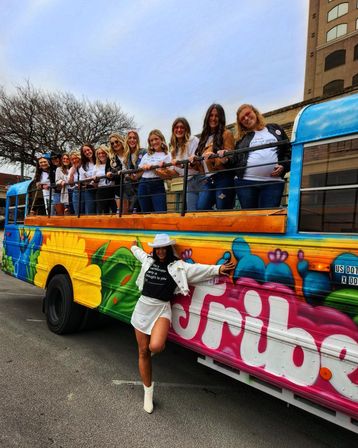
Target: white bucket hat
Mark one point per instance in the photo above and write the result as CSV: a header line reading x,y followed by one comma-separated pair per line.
x,y
162,240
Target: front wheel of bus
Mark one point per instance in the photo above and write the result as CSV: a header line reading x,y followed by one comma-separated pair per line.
x,y
63,315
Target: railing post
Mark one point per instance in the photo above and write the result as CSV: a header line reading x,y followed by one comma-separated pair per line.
x,y
79,199
49,205
121,190
185,184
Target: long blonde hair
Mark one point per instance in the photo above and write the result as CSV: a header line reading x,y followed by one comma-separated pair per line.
x,y
101,148
111,153
159,134
177,148
127,149
241,131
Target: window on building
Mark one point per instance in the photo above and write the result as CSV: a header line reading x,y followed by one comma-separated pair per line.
x,y
337,11
335,59
355,53
333,87
337,31
329,193
355,80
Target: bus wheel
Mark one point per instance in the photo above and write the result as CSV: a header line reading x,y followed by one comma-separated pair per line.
x,y
63,315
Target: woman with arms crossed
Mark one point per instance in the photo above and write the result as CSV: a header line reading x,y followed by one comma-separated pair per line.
x,y
162,275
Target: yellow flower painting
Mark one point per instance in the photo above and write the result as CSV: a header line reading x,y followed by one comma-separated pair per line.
x,y
68,250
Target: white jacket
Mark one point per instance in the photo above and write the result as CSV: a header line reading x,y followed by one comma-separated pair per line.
x,y
183,273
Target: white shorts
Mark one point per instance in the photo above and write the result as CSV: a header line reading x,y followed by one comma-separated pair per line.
x,y
147,311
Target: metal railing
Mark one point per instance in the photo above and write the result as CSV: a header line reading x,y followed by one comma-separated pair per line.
x,y
122,183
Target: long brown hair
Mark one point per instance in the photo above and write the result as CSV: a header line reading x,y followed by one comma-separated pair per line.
x,y
63,167
176,147
241,131
218,133
84,159
40,170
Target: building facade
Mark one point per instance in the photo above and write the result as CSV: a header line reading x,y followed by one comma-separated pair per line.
x,y
332,47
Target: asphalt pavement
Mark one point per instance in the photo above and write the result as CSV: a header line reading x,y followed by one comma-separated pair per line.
x,y
83,390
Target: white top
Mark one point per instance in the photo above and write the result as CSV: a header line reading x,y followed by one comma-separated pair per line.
x,y
85,174
60,175
262,157
75,172
153,159
189,151
98,171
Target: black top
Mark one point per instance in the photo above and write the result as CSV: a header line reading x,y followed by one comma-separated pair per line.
x,y
114,165
158,283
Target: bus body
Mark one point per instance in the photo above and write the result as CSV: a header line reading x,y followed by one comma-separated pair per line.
x,y
285,323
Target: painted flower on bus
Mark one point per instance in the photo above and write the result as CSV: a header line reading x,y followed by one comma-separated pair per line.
x,y
68,250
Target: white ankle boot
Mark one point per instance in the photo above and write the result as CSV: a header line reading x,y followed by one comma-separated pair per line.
x,y
148,398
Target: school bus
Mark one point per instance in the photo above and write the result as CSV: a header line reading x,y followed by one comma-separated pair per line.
x,y
285,323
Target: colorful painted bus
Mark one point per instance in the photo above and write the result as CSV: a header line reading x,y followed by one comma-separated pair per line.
x,y
285,323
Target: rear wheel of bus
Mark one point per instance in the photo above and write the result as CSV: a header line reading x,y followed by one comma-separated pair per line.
x,y
63,315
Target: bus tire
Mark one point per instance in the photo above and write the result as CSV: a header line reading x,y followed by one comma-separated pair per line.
x,y
63,315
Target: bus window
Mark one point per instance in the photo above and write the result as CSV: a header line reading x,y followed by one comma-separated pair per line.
x,y
21,206
329,187
11,210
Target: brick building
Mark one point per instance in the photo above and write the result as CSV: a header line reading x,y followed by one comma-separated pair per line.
x,y
332,47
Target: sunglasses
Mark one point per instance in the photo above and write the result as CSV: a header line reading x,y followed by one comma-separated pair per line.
x,y
115,142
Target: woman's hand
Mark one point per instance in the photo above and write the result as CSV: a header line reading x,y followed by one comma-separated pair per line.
x,y
192,158
146,167
277,171
226,268
109,175
221,152
207,155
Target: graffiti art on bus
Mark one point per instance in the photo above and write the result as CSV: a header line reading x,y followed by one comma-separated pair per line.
x,y
66,249
119,272
331,287
21,249
265,326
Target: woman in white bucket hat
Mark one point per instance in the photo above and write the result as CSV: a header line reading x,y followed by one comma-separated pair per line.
x,y
162,275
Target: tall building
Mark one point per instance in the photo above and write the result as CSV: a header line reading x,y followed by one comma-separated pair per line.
x,y
332,47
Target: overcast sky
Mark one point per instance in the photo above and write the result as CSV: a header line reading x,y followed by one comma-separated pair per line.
x,y
159,59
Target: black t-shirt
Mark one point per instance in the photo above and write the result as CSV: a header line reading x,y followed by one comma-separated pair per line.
x,y
158,283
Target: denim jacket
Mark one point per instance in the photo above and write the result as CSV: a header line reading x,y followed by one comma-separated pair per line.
x,y
184,274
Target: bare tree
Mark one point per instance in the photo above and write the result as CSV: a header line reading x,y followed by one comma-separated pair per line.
x,y
34,122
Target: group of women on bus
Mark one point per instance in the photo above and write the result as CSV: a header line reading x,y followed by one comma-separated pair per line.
x,y
216,173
